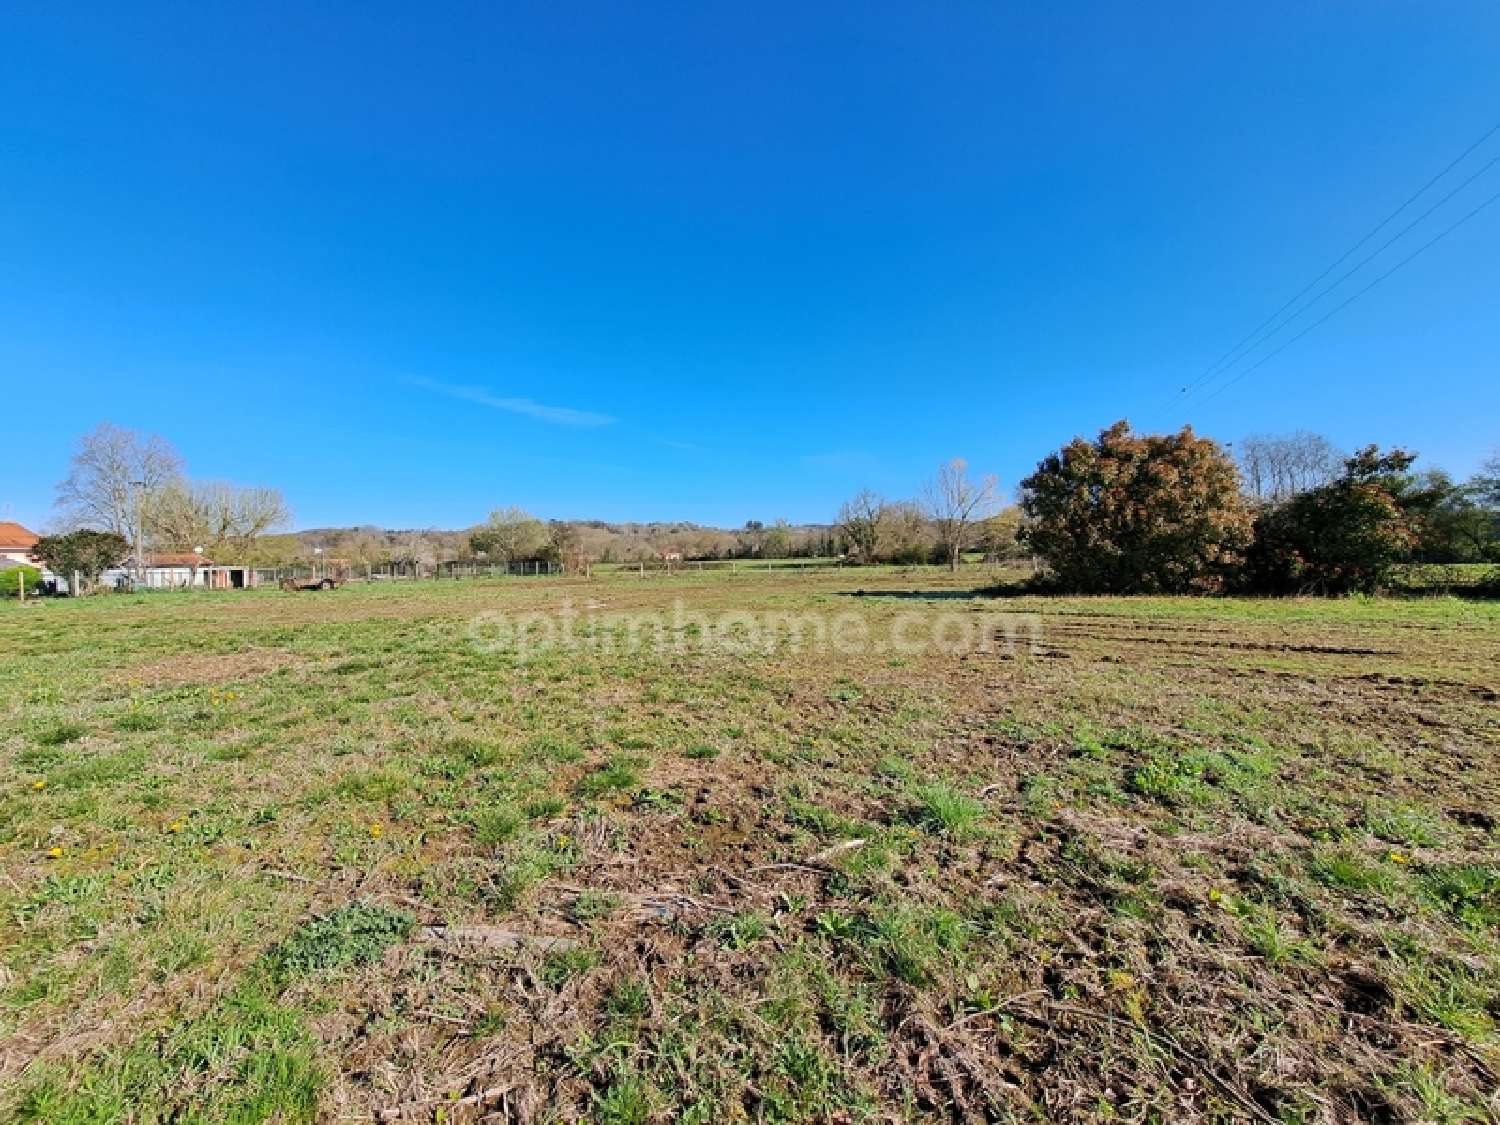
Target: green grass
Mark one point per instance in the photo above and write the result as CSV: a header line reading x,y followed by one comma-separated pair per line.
x,y
622,772
248,1060
946,811
1181,847
1470,892
1412,823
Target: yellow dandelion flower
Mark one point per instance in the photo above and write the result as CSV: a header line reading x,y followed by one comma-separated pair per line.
x,y
1397,857
176,826
39,785
376,831
55,853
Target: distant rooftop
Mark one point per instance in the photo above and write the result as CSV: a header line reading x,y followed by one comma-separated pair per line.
x,y
14,535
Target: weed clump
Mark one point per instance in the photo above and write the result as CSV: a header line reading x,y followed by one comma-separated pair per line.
x,y
355,934
498,824
622,772
59,734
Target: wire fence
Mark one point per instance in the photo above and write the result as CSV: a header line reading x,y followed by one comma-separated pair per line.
x,y
341,572
676,566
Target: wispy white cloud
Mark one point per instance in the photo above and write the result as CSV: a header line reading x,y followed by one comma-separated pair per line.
x,y
557,415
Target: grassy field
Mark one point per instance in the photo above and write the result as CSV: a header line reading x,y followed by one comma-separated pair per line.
x,y
383,852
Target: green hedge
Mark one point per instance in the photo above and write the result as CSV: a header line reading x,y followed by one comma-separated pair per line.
x,y
10,580
1440,577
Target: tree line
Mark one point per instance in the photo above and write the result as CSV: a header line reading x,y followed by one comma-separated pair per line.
x,y
1122,513
953,515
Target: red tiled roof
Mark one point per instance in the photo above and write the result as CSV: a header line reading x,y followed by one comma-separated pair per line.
x,y
14,535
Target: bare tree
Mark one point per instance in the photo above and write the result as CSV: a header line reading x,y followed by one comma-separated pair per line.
x,y
416,549
864,522
216,516
1277,467
113,472
175,518
365,545
955,503
1484,486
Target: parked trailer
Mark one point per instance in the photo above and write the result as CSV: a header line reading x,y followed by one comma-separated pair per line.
x,y
326,582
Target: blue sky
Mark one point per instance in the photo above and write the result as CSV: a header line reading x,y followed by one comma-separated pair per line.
x,y
722,261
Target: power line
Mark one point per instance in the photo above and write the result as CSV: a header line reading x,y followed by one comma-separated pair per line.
x,y
1234,351
1384,246
1353,297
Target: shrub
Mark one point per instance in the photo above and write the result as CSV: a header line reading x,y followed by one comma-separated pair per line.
x,y
495,825
12,576
1489,585
622,772
1342,538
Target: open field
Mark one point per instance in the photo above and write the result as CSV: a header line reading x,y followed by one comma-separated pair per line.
x,y
374,852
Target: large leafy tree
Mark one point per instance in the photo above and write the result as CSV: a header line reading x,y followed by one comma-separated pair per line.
x,y
85,552
1450,522
1134,513
508,535
1343,537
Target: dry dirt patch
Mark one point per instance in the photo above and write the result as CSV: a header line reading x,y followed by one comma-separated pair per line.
x,y
188,668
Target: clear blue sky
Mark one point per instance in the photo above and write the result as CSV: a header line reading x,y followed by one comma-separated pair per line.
x,y
720,261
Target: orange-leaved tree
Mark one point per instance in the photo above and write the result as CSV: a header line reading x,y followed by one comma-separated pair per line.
x,y
1134,513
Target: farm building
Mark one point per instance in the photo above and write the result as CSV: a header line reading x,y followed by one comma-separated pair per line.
x,y
180,571
17,543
